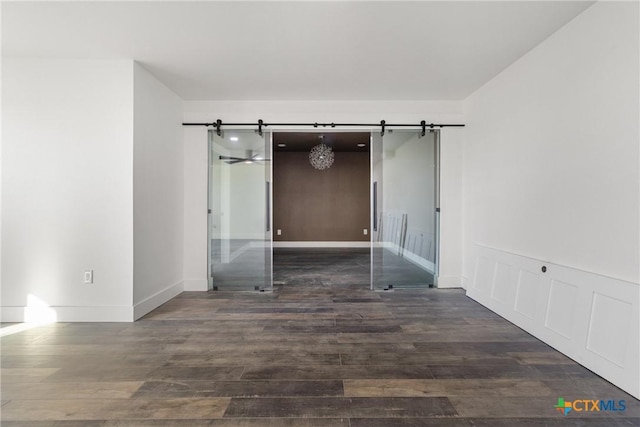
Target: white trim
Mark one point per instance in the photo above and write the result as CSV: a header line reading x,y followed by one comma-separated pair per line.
x,y
420,262
196,285
12,314
510,252
591,318
73,314
449,282
410,256
248,237
154,301
321,244
465,282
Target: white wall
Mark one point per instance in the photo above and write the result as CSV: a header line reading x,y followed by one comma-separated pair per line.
x,y
238,194
195,208
321,111
451,253
551,169
551,159
247,201
238,210
408,171
158,193
67,196
92,179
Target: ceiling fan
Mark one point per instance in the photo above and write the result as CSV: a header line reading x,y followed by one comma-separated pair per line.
x,y
248,159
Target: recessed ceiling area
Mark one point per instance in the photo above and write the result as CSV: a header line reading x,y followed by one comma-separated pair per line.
x,y
338,141
306,50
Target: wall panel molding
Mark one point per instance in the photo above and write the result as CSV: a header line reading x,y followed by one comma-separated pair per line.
x,y
591,318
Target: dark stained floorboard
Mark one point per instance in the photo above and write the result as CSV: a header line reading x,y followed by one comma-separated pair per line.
x,y
306,355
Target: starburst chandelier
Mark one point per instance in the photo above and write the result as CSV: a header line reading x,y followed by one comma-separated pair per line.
x,y
321,157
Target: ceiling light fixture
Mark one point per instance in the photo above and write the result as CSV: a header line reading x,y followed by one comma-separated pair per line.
x,y
234,138
321,157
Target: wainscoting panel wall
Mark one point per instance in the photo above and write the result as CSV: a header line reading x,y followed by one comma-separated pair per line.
x,y
593,319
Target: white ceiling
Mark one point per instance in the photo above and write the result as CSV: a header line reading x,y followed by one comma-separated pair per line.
x,y
267,50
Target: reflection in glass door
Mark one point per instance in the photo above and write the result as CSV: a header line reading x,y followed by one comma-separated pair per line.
x,y
404,175
239,220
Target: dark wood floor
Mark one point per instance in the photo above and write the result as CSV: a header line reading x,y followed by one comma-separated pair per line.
x,y
347,266
318,266
305,355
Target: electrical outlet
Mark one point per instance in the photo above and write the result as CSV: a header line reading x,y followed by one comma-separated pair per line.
x,y
279,232
365,231
88,276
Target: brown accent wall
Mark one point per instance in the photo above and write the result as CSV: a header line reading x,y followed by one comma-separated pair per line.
x,y
328,205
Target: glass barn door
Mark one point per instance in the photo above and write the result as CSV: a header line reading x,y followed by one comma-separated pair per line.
x,y
404,176
239,219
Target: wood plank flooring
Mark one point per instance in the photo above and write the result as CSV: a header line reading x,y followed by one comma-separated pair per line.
x,y
304,355
347,266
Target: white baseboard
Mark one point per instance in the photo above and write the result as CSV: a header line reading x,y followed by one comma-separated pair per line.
x,y
465,282
449,282
419,261
321,244
409,256
93,313
591,318
156,300
72,314
12,314
196,285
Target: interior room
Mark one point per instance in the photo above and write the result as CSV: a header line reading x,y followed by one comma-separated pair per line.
x,y
365,216
320,213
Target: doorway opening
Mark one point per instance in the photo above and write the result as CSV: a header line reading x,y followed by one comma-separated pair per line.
x,y
321,213
366,216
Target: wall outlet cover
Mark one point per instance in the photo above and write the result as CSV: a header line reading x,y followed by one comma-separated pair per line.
x,y
88,276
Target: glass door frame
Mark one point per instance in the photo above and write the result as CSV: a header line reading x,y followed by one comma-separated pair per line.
x,y
377,190
437,157
373,196
268,223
